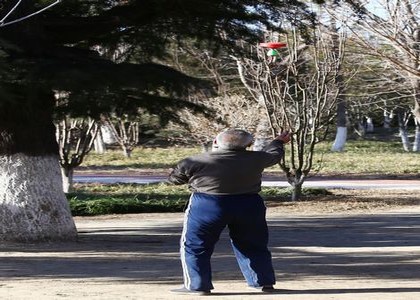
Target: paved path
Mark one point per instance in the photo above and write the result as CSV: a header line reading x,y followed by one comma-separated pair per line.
x,y
319,257
269,181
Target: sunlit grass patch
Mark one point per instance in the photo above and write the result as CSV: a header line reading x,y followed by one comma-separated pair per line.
x,y
359,157
141,158
367,157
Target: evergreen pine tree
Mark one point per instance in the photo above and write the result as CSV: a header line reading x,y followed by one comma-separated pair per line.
x,y
72,47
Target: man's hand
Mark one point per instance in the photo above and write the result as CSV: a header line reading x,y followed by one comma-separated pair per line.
x,y
284,137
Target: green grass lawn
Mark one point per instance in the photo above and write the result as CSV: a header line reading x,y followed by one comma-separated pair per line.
x,y
141,158
359,158
367,157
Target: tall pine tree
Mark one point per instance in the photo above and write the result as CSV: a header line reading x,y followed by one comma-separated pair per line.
x,y
103,54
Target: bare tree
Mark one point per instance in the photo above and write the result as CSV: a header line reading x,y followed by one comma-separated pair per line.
x,y
252,72
75,139
124,130
231,107
337,43
298,93
390,31
99,143
372,91
233,111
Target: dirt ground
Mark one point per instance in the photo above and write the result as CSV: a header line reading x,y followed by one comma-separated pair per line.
x,y
349,245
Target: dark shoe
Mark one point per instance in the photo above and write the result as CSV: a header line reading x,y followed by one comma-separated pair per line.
x,y
268,289
265,288
185,291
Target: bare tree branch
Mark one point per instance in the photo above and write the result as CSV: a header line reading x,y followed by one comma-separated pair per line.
x,y
4,23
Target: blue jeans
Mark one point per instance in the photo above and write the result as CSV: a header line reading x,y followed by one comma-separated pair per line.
x,y
205,219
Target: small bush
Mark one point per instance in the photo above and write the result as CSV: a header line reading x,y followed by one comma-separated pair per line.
x,y
100,199
284,194
120,206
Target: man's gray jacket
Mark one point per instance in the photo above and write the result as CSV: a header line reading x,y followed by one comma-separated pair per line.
x,y
227,172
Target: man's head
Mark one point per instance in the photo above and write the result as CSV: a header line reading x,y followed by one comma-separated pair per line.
x,y
234,139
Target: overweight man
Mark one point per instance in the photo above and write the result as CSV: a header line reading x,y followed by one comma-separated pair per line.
x,y
225,186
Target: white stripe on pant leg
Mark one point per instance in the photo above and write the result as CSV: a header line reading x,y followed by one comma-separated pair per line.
x,y
187,277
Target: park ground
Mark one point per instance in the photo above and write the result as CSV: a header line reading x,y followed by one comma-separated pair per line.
x,y
349,245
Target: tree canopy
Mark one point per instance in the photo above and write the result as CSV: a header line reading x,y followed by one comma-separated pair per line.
x,y
107,54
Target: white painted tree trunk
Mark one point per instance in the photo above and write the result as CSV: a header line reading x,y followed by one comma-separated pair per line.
x,y
67,179
416,144
127,151
340,139
369,125
33,206
108,136
387,119
99,144
404,138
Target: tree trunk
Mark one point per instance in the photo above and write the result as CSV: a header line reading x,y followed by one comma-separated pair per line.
x,y
404,138
341,134
340,139
126,151
99,144
370,128
67,179
387,119
296,180
403,133
296,191
33,206
416,144
108,136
